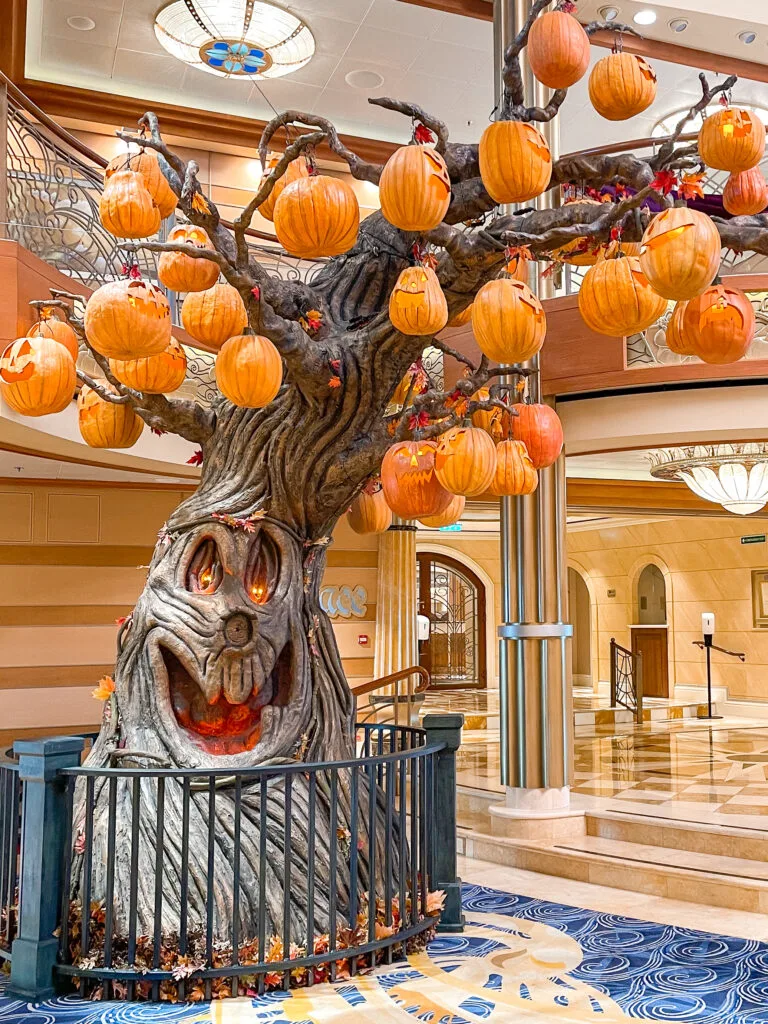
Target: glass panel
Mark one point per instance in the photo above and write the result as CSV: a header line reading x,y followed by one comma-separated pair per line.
x,y
455,627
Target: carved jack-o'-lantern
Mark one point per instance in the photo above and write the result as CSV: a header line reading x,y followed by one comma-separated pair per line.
x,y
128,319
719,324
680,252
732,140
49,326
415,189
154,375
410,482
37,376
465,461
515,473
746,193
369,512
126,208
106,425
417,304
182,273
451,515
508,321
622,85
515,161
616,299
214,315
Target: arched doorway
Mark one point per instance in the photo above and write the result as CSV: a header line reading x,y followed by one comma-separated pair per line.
x,y
579,606
453,599
649,631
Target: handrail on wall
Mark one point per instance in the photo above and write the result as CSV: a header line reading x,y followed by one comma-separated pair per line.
x,y
402,704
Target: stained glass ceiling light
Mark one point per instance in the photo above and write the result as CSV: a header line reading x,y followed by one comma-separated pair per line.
x,y
732,475
235,38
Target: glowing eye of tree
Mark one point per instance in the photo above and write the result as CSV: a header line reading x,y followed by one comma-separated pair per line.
x,y
263,569
205,571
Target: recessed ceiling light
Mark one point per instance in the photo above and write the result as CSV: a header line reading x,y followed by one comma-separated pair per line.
x,y
361,79
80,23
645,17
609,13
747,37
679,24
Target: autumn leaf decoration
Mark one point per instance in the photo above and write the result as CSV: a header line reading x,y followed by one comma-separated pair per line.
x,y
335,380
196,459
245,523
567,6
131,270
691,186
664,182
200,203
423,135
105,689
311,321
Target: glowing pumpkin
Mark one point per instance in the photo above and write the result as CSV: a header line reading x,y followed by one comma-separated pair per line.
x,y
495,422
154,375
106,425
451,515
410,483
676,341
37,376
49,326
558,50
719,324
680,253
465,461
249,370
515,162
214,315
415,189
746,193
732,140
616,299
515,473
539,428
622,85
128,319
297,168
317,216
369,512
182,273
508,321
417,304
126,208
147,164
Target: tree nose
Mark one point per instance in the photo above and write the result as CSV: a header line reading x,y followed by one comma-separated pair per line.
x,y
238,630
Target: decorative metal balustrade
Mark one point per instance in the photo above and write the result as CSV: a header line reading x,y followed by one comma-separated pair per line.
x,y
627,680
10,841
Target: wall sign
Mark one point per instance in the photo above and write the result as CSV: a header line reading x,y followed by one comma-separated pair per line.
x,y
344,602
755,538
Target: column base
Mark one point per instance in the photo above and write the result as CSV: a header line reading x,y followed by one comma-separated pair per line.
x,y
541,815
451,919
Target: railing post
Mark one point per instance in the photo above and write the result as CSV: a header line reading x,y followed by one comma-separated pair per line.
x,y
446,729
638,679
44,829
613,672
3,160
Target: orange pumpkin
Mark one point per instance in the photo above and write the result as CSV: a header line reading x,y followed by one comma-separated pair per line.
x,y
147,164
517,268
719,324
37,376
249,370
746,193
105,425
317,216
128,319
680,252
515,162
410,483
182,273
297,168
616,299
539,428
154,375
508,321
676,341
622,85
451,515
415,189
126,208
558,50
465,461
417,304
461,318
611,250
49,326
369,512
515,473
495,422
732,140
214,315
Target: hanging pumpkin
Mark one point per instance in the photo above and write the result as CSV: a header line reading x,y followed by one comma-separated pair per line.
x,y
126,208
147,164
369,512
680,252
451,515
676,341
539,428
106,425
616,299
495,422
622,85
214,315
37,376
461,318
558,50
611,250
719,324
249,370
746,193
508,321
410,483
732,140
128,319
417,304
415,189
517,265
515,473
49,326
317,216
515,162
154,375
404,387
297,168
182,273
465,461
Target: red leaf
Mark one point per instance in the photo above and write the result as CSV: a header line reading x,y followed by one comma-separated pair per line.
x,y
196,459
664,182
723,101
422,134
157,432
615,233
336,364
568,6
256,292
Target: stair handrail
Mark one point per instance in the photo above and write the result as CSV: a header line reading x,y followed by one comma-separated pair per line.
x,y
399,699
627,680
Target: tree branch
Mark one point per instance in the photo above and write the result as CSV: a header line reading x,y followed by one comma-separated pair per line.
x,y
358,167
666,153
436,126
104,393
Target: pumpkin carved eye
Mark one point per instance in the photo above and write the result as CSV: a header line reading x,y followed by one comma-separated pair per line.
x,y
205,571
262,570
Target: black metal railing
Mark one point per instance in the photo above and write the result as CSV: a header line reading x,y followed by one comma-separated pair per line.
x,y
10,839
627,680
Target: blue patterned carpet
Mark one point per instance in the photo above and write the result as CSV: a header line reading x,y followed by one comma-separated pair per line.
x,y
520,960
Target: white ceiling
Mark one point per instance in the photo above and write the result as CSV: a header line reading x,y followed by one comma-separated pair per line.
x,y
629,465
31,467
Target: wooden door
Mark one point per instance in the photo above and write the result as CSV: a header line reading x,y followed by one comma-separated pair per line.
x,y
453,598
651,642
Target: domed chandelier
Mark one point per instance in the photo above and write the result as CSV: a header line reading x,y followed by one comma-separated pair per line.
x,y
732,475
235,38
